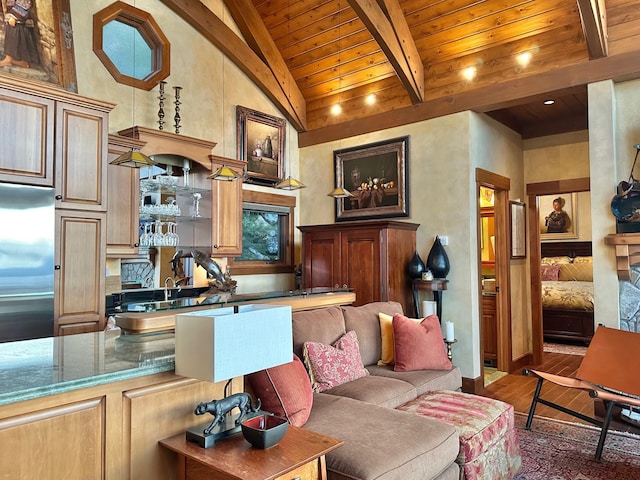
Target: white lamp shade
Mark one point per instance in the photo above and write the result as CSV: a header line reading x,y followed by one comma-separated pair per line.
x,y
218,344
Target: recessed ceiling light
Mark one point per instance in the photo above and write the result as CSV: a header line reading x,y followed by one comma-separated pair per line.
x,y
524,58
549,102
371,99
469,73
336,109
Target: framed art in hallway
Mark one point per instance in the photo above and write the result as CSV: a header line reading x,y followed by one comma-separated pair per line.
x,y
37,41
558,216
517,217
260,139
376,176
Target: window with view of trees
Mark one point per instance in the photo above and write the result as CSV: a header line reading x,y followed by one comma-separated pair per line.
x,y
267,234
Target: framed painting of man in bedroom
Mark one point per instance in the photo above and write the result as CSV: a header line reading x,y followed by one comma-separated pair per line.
x,y
558,216
36,41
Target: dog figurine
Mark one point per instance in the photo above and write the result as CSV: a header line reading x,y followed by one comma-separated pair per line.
x,y
220,408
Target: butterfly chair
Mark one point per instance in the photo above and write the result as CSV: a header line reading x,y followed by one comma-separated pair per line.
x,y
605,372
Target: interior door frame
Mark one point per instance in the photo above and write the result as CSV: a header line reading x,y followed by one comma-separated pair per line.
x,y
501,186
534,190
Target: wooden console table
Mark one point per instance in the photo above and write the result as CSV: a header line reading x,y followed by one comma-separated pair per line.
x,y
299,455
437,285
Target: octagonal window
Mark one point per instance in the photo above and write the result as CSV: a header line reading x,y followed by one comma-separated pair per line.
x,y
131,46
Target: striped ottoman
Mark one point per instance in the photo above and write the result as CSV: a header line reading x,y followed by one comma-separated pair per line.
x,y
488,437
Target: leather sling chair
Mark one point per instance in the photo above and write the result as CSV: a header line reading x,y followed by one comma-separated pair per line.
x,y
606,373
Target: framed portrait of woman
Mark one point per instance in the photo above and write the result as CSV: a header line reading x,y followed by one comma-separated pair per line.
x,y
37,41
558,216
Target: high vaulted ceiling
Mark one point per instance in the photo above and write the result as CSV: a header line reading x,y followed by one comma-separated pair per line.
x,y
413,55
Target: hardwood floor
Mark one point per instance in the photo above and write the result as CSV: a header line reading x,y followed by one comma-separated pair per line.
x,y
518,389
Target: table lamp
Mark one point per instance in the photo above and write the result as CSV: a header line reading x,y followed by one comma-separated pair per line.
x,y
223,343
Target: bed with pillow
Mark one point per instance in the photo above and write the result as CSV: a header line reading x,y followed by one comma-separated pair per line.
x,y
567,291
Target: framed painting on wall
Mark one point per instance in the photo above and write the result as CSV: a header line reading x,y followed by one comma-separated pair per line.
x,y
376,176
517,217
558,216
260,139
37,41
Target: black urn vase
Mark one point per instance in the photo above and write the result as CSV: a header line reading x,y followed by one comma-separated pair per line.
x,y
416,266
438,261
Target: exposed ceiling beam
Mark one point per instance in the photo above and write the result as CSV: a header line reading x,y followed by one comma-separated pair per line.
x,y
386,23
257,36
621,67
593,15
205,22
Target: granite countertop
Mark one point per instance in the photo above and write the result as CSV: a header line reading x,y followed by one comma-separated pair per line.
x,y
48,366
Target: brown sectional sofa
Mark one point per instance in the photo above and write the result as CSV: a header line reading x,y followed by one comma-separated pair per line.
x,y
380,442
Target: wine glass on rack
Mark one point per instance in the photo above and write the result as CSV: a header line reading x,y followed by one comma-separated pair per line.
x,y
158,236
145,238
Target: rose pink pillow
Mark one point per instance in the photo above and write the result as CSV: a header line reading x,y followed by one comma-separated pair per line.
x,y
333,365
285,391
550,272
418,346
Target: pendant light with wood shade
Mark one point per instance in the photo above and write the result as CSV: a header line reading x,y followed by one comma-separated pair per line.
x,y
339,191
133,158
290,183
224,173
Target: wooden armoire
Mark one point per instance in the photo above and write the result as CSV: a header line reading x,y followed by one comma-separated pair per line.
x,y
370,257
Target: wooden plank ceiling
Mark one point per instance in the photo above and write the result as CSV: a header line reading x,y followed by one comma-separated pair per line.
x,y
388,61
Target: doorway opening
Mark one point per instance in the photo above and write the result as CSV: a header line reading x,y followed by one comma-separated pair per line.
x,y
494,279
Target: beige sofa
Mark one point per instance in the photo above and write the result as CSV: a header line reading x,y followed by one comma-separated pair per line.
x,y
380,442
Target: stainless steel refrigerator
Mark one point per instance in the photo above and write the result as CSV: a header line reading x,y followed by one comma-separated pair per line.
x,y
27,226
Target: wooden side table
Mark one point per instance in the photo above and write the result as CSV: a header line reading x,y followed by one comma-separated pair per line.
x,y
437,285
299,455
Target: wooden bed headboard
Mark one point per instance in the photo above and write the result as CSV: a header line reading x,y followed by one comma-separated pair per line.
x,y
570,249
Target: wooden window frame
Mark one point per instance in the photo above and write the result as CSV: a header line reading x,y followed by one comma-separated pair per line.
x,y
261,267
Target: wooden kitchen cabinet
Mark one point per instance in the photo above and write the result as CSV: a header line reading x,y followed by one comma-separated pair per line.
x,y
123,201
81,156
26,136
226,202
370,257
79,280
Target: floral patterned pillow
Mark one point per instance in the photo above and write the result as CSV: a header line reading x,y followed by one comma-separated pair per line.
x,y
550,272
333,365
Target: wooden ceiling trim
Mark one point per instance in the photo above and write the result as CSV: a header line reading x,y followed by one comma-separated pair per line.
x,y
360,44
482,99
574,123
391,31
257,36
352,30
490,32
594,24
213,29
501,63
327,81
300,20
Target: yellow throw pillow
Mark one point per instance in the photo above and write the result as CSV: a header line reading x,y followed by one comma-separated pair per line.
x,y
576,271
386,332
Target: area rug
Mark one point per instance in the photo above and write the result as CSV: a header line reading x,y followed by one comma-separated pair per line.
x,y
557,450
564,348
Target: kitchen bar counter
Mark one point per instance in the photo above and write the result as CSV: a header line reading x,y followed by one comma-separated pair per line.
x,y
48,366
37,368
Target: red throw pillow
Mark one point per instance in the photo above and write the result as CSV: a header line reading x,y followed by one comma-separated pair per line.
x,y
285,391
419,346
550,272
333,365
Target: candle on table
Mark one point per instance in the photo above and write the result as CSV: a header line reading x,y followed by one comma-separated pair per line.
x,y
449,334
428,308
